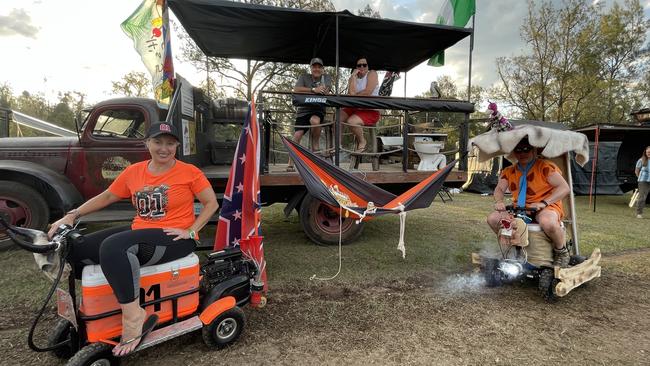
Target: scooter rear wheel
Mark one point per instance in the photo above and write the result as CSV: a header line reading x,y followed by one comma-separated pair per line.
x,y
547,283
94,354
224,329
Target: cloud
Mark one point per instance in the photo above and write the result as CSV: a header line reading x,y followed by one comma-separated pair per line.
x,y
18,22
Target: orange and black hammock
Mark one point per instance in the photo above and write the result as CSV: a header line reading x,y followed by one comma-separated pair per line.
x,y
338,188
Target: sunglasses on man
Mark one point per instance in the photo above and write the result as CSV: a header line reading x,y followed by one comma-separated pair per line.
x,y
362,65
524,149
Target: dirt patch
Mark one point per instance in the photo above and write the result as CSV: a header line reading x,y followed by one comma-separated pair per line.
x,y
434,318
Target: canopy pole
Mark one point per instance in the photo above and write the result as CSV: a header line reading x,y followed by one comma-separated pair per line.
x,y
337,124
405,134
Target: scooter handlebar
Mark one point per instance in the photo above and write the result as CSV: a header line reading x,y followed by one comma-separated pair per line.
x,y
515,209
29,233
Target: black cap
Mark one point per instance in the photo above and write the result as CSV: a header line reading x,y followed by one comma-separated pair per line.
x,y
162,128
316,60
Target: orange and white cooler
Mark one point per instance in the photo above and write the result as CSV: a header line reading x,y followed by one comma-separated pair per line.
x,y
158,281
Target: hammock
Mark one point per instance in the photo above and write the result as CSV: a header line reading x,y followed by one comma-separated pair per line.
x,y
339,188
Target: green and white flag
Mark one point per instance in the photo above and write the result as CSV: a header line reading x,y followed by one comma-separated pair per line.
x,y
457,14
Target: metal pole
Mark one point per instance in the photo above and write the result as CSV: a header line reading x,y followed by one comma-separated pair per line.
x,y
572,201
405,135
596,158
337,124
464,129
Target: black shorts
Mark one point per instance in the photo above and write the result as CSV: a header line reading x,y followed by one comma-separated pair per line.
x,y
304,120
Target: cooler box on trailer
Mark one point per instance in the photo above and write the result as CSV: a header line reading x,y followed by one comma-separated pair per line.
x,y
158,281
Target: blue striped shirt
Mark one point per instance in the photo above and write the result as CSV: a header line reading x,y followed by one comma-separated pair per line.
x,y
644,173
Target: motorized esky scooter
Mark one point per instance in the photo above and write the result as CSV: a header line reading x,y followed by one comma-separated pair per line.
x,y
186,297
527,254
526,251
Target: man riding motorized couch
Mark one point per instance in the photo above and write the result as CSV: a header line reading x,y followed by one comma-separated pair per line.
x,y
538,184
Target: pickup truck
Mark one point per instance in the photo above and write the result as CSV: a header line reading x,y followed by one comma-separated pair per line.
x,y
43,177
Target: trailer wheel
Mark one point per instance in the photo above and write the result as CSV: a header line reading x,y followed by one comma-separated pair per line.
x,y
60,333
21,205
547,283
321,223
225,329
94,354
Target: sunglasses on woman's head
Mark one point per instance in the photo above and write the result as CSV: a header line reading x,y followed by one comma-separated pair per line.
x,y
523,149
362,65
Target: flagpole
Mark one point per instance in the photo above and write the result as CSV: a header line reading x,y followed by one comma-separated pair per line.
x,y
464,141
337,124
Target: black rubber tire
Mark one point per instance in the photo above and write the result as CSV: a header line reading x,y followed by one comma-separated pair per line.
x,y
321,224
225,329
576,259
59,333
547,283
95,354
491,274
21,205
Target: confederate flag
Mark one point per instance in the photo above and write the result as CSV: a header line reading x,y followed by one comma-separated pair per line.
x,y
240,215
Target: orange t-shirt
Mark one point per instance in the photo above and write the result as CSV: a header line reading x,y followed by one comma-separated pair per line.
x,y
161,201
537,187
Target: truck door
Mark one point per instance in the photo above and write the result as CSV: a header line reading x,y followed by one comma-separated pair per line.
x,y
111,140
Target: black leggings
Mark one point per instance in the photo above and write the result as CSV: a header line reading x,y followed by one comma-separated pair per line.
x,y
121,251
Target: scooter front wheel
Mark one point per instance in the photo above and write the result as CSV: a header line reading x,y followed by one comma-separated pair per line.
x,y
224,329
61,333
94,354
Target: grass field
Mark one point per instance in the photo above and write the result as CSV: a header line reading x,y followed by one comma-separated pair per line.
x,y
428,303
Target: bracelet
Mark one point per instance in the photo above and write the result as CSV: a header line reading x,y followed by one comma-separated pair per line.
x,y
545,203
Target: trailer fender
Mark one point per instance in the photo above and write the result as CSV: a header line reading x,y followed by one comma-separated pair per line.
x,y
60,194
217,308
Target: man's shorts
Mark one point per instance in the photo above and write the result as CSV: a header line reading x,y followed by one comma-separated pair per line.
x,y
368,116
304,121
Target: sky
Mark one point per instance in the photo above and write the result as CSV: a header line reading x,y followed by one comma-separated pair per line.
x,y
49,46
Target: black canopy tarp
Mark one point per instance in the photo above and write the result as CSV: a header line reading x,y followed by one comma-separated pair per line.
x,y
394,103
266,33
633,139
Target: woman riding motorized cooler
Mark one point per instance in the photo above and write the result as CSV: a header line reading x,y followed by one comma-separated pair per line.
x,y
164,228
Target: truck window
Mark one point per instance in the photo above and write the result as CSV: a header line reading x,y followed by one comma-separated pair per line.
x,y
121,123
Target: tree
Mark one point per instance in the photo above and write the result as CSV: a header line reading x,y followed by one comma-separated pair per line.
x,y
580,58
6,96
133,84
622,33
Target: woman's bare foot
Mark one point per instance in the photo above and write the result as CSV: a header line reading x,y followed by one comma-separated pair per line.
x,y
133,316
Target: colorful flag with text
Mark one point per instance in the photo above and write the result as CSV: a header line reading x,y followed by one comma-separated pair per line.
x,y
148,27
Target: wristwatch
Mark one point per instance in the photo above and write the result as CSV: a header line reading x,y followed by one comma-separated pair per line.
x,y
192,234
545,203
313,90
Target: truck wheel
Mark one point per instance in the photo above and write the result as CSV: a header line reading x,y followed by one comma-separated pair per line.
x,y
94,354
321,223
60,333
21,205
224,329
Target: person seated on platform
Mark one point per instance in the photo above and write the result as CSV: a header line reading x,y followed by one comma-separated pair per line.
x,y
316,82
363,81
543,189
162,191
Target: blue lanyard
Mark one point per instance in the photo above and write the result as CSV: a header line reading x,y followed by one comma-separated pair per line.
x,y
523,183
